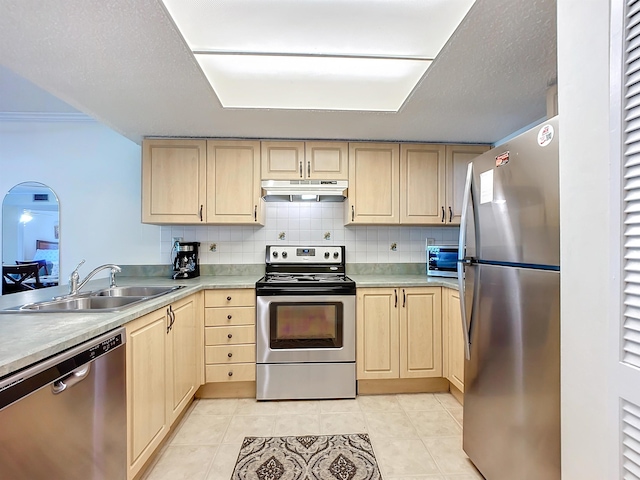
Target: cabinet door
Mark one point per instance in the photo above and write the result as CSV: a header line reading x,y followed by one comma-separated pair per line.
x,y
147,419
282,160
326,160
182,355
377,333
458,157
422,184
420,332
455,340
374,169
173,181
233,182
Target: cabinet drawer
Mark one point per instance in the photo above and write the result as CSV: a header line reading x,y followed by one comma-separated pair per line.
x,y
235,372
229,335
215,317
230,354
240,297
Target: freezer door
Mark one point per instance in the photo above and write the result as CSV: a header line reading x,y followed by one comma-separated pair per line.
x,y
512,379
516,197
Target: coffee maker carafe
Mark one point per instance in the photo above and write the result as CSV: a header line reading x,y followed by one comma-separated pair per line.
x,y
185,262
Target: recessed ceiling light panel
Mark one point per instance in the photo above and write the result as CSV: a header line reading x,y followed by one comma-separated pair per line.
x,y
316,54
311,83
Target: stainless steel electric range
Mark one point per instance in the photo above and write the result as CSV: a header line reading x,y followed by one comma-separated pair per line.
x,y
305,325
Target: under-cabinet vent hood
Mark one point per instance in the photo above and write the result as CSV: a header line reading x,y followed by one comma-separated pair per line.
x,y
304,190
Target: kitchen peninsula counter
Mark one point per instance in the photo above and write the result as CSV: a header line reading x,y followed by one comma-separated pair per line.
x,y
27,338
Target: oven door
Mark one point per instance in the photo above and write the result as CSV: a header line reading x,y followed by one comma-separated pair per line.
x,y
305,328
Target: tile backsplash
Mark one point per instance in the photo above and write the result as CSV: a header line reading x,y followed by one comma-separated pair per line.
x,y
306,223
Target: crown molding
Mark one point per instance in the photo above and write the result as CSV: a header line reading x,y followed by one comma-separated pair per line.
x,y
46,117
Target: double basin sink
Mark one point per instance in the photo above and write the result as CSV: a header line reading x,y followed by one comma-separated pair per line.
x,y
111,299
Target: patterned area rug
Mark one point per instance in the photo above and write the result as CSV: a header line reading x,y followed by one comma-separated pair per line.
x,y
330,457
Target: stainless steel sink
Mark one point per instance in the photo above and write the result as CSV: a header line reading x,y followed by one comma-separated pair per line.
x,y
111,299
134,291
83,303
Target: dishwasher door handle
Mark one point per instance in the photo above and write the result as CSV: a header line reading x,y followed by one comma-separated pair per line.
x,y
70,380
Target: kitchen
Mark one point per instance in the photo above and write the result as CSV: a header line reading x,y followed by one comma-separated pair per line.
x,y
107,237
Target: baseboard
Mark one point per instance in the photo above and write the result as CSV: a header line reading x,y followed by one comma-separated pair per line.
x,y
227,390
402,385
456,393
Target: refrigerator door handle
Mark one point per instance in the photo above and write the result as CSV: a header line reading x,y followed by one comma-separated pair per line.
x,y
463,260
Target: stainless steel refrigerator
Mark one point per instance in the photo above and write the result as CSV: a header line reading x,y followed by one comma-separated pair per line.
x,y
509,277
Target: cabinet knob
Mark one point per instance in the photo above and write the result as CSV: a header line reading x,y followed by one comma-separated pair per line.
x,y
230,374
228,317
229,336
228,299
229,354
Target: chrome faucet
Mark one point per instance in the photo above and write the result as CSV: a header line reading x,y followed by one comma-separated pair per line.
x,y
74,286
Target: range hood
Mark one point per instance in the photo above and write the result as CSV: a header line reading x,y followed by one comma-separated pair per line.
x,y
304,190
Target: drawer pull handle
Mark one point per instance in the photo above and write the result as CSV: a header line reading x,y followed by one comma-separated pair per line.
x,y
231,374
229,336
228,299
229,354
228,317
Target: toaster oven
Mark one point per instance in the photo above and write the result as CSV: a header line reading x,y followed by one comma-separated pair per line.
x,y
442,260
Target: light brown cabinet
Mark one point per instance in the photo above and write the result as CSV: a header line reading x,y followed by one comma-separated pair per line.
x,y
162,374
453,339
304,160
457,157
233,183
230,338
174,184
422,183
374,170
198,181
399,333
407,184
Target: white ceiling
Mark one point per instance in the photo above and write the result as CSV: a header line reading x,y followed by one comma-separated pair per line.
x,y
125,64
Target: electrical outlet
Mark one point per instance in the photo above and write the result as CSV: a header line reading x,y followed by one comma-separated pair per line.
x,y
431,241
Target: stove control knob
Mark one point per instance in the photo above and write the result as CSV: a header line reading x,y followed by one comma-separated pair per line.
x,y
275,254
284,254
336,254
326,254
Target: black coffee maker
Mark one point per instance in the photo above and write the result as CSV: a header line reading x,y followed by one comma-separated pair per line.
x,y
185,262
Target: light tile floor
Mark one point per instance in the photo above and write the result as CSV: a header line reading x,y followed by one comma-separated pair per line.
x,y
414,436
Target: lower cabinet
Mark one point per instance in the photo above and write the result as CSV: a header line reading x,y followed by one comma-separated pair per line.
x,y
453,339
399,333
230,335
163,373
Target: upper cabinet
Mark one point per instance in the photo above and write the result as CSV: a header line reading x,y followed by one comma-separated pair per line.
x,y
422,183
304,160
407,184
174,186
233,182
374,170
457,159
199,181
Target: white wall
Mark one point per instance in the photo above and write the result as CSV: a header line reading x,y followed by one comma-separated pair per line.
x,y
583,93
95,173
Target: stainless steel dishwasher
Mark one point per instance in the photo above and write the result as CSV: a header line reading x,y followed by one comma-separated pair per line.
x,y
65,417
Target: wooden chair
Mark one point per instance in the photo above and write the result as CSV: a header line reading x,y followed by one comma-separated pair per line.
x,y
43,267
15,276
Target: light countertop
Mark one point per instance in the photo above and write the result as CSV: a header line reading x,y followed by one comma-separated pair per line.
x,y
27,338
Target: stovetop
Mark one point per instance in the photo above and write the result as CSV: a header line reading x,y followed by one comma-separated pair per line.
x,y
305,269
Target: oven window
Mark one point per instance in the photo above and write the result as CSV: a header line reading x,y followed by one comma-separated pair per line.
x,y
306,325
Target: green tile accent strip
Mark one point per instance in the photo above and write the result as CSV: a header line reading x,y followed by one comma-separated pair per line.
x,y
386,268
